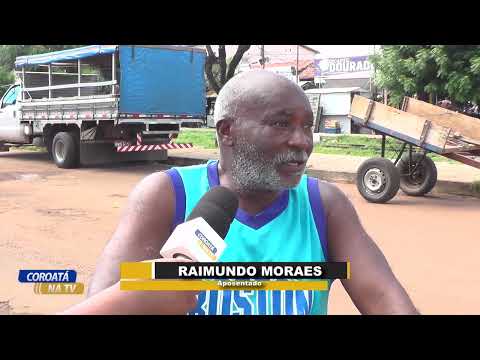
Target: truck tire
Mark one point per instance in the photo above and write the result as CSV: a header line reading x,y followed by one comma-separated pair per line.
x,y
65,150
422,180
48,145
378,180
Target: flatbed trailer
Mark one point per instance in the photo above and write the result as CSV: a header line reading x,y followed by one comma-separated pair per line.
x,y
422,127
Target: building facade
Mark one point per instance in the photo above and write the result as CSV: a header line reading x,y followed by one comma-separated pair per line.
x,y
344,72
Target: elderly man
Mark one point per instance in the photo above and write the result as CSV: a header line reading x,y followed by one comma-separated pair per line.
x,y
264,131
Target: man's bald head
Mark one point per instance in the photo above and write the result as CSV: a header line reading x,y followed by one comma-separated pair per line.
x,y
252,90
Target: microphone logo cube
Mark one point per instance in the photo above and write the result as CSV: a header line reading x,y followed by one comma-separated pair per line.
x,y
196,240
204,242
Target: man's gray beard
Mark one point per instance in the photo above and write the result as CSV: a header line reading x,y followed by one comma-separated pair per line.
x,y
251,172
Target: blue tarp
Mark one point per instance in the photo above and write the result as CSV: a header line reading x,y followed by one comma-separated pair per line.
x,y
162,80
64,55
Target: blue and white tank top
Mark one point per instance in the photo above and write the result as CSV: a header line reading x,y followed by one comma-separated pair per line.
x,y
291,229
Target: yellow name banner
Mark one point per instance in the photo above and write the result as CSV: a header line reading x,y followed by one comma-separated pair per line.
x,y
199,285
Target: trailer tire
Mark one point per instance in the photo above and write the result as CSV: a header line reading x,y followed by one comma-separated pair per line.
x,y
65,150
424,178
378,180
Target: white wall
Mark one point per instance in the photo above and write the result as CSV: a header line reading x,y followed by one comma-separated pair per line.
x,y
335,103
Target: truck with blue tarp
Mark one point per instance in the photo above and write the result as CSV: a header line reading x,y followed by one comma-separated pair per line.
x,y
105,101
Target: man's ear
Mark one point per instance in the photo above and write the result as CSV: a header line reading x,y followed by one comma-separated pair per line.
x,y
224,132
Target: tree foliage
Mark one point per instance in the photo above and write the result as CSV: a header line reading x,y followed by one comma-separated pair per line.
x,y
430,72
218,70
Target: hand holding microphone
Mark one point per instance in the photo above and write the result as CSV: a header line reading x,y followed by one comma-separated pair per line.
x,y
113,301
200,238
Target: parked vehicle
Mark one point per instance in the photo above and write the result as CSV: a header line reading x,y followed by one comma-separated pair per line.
x,y
427,127
104,100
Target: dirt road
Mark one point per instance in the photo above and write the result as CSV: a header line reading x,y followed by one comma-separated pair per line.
x,y
61,219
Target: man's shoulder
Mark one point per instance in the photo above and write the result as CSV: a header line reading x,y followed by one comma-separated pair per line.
x,y
153,185
187,173
189,168
327,189
331,196
190,178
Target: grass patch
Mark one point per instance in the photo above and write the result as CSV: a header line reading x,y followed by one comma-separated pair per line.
x,y
365,147
203,138
331,145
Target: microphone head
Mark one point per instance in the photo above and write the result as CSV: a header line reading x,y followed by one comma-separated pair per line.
x,y
217,207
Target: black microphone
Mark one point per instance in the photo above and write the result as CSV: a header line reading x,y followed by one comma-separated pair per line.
x,y
200,238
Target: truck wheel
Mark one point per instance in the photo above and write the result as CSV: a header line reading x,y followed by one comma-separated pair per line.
x,y
65,150
422,180
48,144
378,180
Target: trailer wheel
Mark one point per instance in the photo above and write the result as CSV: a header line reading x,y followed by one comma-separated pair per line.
x,y
422,180
378,180
65,151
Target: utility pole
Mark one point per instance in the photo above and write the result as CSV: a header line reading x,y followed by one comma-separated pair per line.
x,y
373,79
297,64
262,53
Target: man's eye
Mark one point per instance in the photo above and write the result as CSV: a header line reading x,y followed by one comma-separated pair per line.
x,y
280,123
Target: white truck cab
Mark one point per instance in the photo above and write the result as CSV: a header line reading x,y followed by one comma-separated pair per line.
x,y
10,128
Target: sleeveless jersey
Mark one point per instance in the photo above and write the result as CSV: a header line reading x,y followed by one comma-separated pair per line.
x,y
291,229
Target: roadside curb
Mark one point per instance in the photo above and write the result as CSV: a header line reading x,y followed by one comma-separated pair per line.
x,y
455,188
442,186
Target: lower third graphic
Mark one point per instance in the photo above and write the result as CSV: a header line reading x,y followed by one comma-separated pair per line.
x,y
59,282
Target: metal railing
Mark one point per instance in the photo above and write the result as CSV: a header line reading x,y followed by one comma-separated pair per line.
x,y
77,85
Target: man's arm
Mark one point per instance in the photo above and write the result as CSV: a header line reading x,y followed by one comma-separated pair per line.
x,y
142,230
373,287
113,301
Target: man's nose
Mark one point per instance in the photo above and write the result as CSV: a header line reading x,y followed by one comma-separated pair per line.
x,y
301,139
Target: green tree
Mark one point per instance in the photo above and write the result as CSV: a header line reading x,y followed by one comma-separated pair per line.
x,y
218,69
430,72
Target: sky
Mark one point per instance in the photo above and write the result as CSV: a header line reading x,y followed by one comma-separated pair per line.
x,y
343,50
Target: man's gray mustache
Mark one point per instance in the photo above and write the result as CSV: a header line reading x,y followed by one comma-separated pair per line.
x,y
291,157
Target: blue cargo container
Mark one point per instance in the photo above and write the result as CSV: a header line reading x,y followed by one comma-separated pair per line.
x,y
166,80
